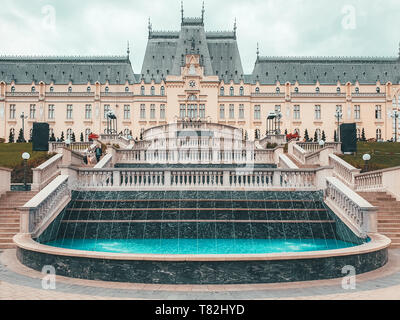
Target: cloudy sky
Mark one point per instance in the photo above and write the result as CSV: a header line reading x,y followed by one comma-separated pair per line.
x,y
283,28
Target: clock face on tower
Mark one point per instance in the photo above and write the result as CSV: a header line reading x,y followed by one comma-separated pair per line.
x,y
192,83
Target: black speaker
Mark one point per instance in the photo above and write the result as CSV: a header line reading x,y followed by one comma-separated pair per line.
x,y
40,137
348,137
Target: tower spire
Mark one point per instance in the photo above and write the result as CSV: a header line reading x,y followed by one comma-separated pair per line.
x,y
258,51
235,28
150,28
182,11
203,11
128,51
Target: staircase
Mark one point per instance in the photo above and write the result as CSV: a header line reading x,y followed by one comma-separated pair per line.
x,y
388,215
301,166
9,216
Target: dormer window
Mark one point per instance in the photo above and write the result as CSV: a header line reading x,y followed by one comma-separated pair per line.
x,y
232,91
296,90
89,89
337,90
257,90
241,91
69,89
153,91
33,90
357,90
126,89
142,91
163,91
12,89
378,90
278,90
222,91
107,89
317,90
51,89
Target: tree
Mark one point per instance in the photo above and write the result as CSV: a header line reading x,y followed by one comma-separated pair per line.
x,y
52,138
363,138
323,136
73,138
286,132
335,136
62,139
11,138
246,136
82,139
257,134
21,138
315,136
306,136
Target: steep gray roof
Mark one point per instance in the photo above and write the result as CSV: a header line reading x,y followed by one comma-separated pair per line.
x,y
326,70
165,52
62,70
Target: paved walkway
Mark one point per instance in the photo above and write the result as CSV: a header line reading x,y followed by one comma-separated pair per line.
x,y
18,282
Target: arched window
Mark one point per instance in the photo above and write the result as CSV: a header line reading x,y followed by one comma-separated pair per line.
x,y
51,89
378,90
278,90
126,89
33,89
87,134
357,90
163,91
296,90
89,89
338,90
241,91
142,91
69,89
317,90
153,91
12,89
257,90
107,89
378,134
69,134
222,91
232,91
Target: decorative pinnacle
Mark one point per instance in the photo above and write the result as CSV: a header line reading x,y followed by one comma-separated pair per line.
x,y
235,26
258,50
203,11
150,27
128,50
182,10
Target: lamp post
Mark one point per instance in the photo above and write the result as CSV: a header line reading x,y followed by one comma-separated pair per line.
x,y
322,144
366,158
23,117
338,116
25,156
278,122
395,115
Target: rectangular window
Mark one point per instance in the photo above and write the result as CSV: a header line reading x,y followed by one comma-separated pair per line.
x,y
106,110
296,112
241,111
162,111
231,111
378,112
12,111
339,108
127,112
69,111
357,112
152,111
183,111
257,112
32,113
142,111
202,111
222,111
51,111
88,112
318,112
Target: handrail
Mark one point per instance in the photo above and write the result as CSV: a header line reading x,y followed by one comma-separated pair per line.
x,y
46,172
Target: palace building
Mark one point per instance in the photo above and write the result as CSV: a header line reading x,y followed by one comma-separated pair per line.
x,y
195,74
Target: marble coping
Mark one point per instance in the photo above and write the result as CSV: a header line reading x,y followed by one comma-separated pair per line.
x,y
378,242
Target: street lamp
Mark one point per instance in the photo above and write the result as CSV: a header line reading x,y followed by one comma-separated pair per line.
x,y
25,156
338,116
366,158
278,121
23,117
322,144
395,115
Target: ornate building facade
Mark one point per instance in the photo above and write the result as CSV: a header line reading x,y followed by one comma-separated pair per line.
x,y
197,75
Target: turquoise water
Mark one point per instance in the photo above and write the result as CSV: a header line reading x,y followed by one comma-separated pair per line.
x,y
200,246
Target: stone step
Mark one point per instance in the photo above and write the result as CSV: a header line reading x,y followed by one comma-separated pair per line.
x,y
7,234
395,229
7,245
392,236
9,225
6,241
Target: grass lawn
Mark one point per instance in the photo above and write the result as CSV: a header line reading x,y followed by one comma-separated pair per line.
x,y
384,155
11,157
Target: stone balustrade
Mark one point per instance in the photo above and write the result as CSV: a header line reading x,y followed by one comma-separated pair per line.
x,y
106,162
38,213
197,179
343,170
311,147
359,215
299,153
5,180
74,146
46,172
